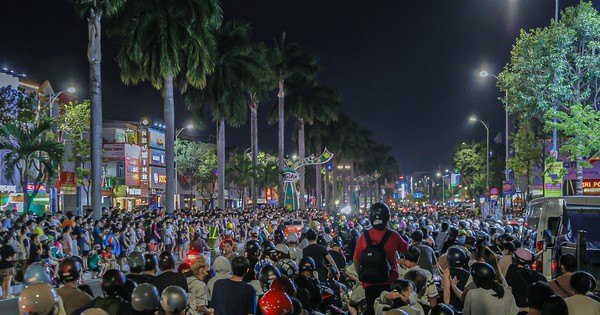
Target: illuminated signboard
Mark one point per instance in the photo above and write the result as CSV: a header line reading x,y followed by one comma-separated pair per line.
x,y
158,178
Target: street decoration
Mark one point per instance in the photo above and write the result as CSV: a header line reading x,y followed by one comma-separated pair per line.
x,y
291,175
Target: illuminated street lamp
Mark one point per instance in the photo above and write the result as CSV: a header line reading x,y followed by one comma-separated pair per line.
x,y
52,97
487,153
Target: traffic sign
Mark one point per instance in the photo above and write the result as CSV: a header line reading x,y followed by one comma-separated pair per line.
x,y
418,195
494,191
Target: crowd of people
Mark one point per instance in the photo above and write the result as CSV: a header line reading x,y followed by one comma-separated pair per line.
x,y
274,261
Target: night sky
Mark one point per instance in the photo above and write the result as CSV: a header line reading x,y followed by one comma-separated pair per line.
x,y
408,70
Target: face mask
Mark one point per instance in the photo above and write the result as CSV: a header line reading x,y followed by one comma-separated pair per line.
x,y
461,240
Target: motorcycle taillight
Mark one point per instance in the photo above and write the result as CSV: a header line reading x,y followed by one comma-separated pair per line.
x,y
540,245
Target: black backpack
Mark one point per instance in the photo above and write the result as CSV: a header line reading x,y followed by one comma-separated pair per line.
x,y
373,266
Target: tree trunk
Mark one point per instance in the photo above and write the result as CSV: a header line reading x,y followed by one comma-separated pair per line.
x,y
319,180
254,135
301,155
221,163
326,189
169,117
95,58
333,197
579,170
281,126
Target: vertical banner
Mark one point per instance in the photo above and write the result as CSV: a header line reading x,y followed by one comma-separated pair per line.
x,y
454,180
132,165
143,139
553,180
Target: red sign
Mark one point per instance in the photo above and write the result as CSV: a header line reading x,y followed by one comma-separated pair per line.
x,y
68,179
591,187
494,191
41,188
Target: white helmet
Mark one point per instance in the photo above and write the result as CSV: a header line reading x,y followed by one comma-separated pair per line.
x,y
292,237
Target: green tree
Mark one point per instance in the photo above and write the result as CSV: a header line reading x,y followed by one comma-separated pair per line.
x,y
197,162
267,171
309,102
74,124
555,68
16,104
288,60
470,161
32,153
225,95
93,11
240,172
160,40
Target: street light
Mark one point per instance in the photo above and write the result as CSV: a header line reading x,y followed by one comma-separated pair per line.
x,y
190,126
484,74
54,96
487,153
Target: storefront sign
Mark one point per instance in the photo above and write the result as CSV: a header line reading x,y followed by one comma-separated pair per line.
x,y
68,190
157,157
144,140
8,188
41,188
132,165
68,179
114,151
591,187
157,139
158,177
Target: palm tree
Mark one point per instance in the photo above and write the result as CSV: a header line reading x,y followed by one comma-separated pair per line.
x,y
240,171
287,60
93,10
309,102
236,71
32,153
316,135
161,40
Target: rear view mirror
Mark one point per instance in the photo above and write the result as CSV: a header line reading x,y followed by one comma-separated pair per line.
x,y
547,235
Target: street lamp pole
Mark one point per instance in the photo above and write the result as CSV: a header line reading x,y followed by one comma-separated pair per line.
x,y
487,153
176,182
506,155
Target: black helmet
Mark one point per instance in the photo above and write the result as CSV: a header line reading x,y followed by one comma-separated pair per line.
x,y
279,237
287,267
252,248
441,309
354,235
267,247
166,261
456,256
136,262
379,215
127,289
150,262
321,240
483,273
267,274
145,298
113,282
69,270
307,264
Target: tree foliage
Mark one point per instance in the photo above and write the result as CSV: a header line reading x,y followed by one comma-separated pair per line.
x,y
16,104
197,162
470,161
581,129
74,122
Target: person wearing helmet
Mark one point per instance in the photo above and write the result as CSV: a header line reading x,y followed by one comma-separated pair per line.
x,y
252,252
137,263
222,269
451,239
508,250
454,270
489,297
234,289
520,275
73,298
309,287
145,299
266,275
198,294
427,259
379,216
276,303
319,254
581,283
174,300
39,298
295,251
168,277
112,284
441,309
150,265
287,267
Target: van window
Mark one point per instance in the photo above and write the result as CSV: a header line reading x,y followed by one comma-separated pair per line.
x,y
587,221
553,224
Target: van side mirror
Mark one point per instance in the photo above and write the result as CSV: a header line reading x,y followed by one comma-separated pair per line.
x,y
547,235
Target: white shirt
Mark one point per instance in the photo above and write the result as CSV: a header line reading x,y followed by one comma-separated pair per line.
x,y
582,305
481,301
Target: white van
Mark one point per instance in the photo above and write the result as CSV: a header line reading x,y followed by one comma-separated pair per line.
x,y
555,223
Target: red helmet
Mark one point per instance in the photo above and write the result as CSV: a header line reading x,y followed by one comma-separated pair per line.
x,y
276,303
283,284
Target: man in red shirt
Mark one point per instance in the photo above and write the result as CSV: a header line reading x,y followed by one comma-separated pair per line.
x,y
379,215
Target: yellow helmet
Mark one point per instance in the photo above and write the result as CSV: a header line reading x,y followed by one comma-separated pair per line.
x,y
315,224
38,298
343,217
230,226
